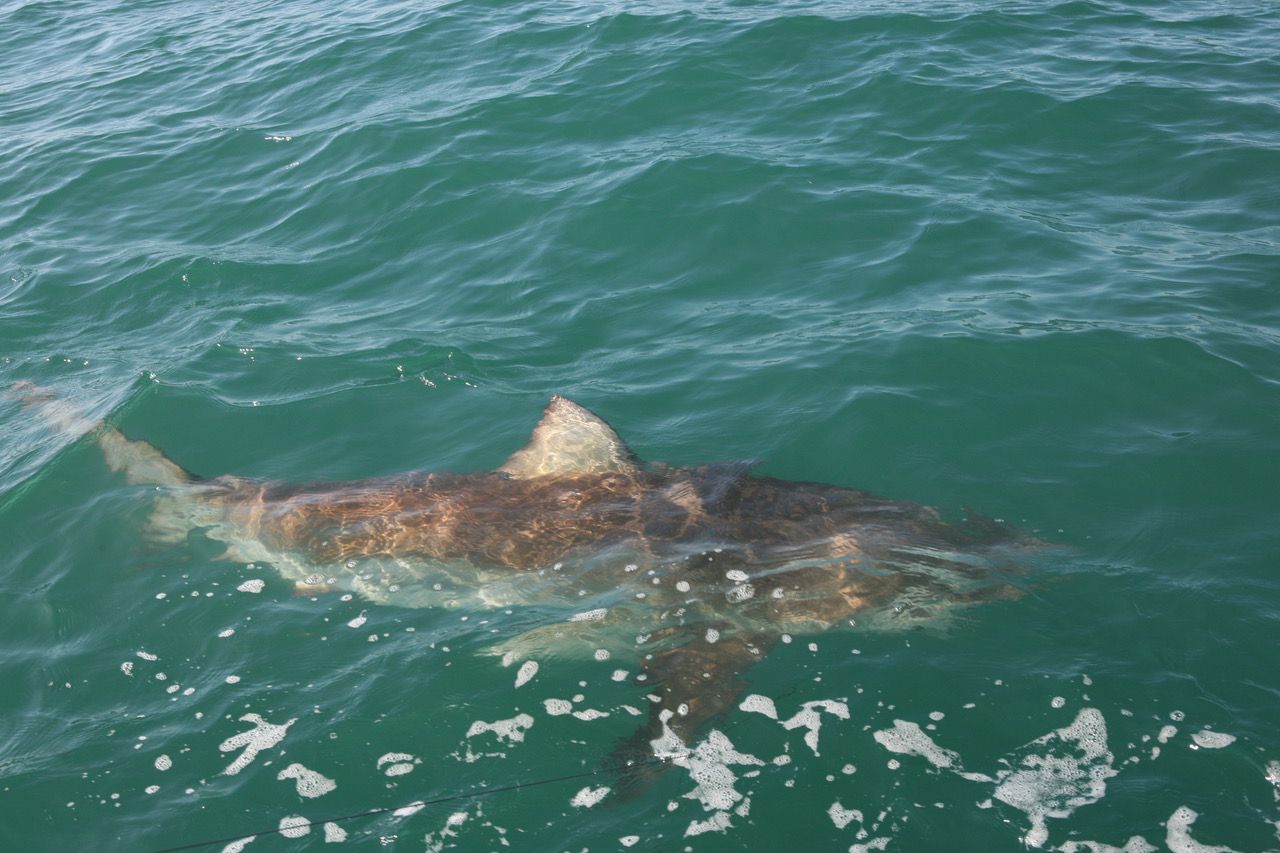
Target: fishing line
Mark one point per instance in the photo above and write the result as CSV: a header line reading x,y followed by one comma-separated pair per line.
x,y
417,805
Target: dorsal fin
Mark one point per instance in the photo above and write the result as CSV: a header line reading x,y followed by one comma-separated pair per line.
x,y
570,440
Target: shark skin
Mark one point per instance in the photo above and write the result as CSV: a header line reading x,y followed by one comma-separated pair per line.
x,y
692,572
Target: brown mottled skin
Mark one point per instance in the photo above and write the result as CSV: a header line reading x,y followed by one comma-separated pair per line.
x,y
749,557
761,524
492,519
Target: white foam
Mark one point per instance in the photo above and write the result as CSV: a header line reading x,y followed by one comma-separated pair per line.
x,y
358,621
736,575
873,844
252,585
841,816
510,731
906,738
718,822
758,704
334,834
1178,834
310,784
163,762
1054,784
411,809
1166,732
590,615
127,668
619,675
601,654
226,632
397,763
262,736
629,840
528,670
294,826
238,845
588,797
1206,739
146,655
449,830
712,635
557,707
809,719
740,593
708,765
1136,844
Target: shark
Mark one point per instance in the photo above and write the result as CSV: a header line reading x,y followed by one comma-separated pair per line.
x,y
694,572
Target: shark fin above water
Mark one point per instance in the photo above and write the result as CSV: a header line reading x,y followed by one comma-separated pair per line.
x,y
570,440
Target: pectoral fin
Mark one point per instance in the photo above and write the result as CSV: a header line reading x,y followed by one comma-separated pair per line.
x,y
693,684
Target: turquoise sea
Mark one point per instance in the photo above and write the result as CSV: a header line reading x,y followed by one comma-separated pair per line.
x,y
1020,257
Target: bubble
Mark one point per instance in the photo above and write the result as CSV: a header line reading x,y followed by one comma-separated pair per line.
x,y
527,671
309,783
294,826
1207,739
841,816
397,763
590,615
263,735
511,731
588,797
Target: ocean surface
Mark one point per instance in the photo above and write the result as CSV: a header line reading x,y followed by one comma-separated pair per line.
x,y
1015,257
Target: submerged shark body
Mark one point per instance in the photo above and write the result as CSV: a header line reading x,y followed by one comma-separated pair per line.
x,y
698,571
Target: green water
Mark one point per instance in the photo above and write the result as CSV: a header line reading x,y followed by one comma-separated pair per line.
x,y
1018,257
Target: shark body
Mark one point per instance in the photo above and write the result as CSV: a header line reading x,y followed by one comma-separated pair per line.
x,y
696,571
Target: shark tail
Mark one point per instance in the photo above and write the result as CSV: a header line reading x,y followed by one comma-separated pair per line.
x,y
141,463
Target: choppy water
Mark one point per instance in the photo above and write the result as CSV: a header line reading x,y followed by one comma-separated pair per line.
x,y
1019,257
